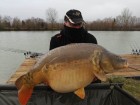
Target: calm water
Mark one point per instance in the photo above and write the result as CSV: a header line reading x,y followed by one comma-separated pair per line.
x,y
38,41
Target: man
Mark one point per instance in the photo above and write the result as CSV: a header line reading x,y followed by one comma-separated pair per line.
x,y
73,31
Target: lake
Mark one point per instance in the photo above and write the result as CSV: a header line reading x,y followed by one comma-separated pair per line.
x,y
12,42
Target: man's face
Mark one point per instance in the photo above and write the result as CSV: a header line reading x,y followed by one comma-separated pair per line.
x,y
78,25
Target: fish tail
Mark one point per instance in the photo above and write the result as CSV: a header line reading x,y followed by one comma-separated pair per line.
x,y
25,89
24,94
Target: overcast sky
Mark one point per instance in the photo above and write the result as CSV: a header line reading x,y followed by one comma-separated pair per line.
x,y
91,9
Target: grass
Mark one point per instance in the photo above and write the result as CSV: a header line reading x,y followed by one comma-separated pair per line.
x,y
130,85
133,87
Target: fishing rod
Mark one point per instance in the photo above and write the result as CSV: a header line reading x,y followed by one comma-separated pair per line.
x,y
135,48
25,52
13,50
132,48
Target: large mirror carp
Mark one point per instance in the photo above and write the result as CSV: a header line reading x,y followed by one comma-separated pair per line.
x,y
69,68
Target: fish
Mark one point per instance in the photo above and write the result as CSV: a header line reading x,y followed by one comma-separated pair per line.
x,y
69,68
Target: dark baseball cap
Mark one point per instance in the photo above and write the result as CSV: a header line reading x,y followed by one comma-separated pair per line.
x,y
74,16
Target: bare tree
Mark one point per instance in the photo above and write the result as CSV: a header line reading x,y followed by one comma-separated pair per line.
x,y
16,23
6,22
51,16
0,22
125,19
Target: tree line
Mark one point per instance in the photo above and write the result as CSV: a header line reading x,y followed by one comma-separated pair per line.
x,y
125,21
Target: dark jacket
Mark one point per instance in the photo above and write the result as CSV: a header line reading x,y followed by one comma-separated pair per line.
x,y
71,35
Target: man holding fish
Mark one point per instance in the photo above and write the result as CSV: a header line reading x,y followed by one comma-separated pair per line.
x,y
73,32
72,67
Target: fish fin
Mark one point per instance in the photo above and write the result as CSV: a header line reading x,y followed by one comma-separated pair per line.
x,y
80,93
24,94
100,75
98,72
